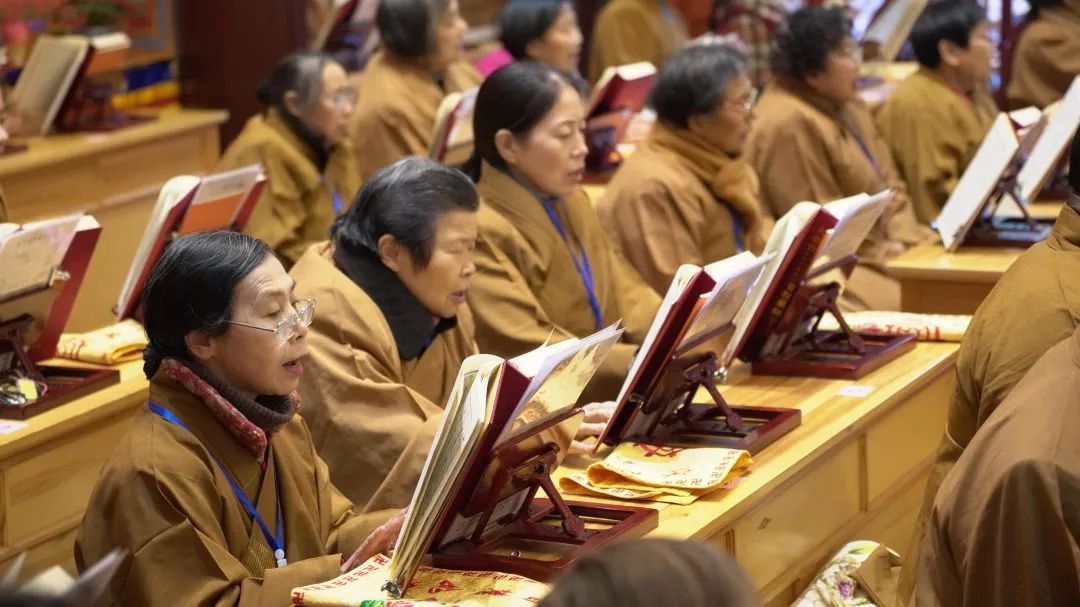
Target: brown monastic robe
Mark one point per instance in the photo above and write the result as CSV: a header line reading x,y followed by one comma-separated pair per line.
x,y
372,414
162,497
395,113
628,31
3,207
1035,304
1005,530
933,131
1046,59
297,205
676,200
804,148
527,287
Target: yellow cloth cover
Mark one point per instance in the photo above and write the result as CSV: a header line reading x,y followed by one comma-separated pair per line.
x,y
111,345
660,474
430,586
925,327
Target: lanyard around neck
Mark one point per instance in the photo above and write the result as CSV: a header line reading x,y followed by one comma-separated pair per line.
x,y
276,540
581,262
862,146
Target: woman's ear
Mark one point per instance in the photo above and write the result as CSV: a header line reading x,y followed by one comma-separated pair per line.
x,y
507,146
200,345
948,51
292,103
390,251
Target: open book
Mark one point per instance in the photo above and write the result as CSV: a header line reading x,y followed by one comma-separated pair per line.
x,y
189,204
56,583
48,77
1062,119
496,405
892,25
452,142
622,87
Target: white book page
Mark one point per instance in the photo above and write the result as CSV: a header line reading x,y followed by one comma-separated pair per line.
x,y
30,255
46,80
892,27
990,162
855,217
230,183
1056,137
734,281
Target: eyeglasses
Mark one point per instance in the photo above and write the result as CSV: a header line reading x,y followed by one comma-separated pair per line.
x,y
747,105
286,329
342,98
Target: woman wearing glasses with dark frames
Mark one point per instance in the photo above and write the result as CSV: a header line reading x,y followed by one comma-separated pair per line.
x,y
216,491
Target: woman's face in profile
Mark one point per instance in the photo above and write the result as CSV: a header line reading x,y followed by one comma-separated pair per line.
x,y
449,37
560,46
551,156
254,360
329,115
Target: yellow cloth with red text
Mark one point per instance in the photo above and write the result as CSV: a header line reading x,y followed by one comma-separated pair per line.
x,y
429,587
111,345
925,327
660,474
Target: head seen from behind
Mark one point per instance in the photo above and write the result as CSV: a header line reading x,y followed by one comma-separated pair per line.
x,y
529,122
429,31
953,37
704,88
223,301
815,47
418,218
542,30
312,89
648,572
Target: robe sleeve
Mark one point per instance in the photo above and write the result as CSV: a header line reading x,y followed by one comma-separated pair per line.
x,y
793,166
638,302
624,37
384,140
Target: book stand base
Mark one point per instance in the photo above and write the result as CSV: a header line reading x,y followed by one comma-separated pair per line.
x,y
90,109
544,536
62,384
676,420
991,230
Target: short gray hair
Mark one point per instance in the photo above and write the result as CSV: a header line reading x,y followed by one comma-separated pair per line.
x,y
299,72
692,81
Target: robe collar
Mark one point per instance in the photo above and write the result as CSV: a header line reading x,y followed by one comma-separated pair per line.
x,y
412,325
1065,235
311,144
522,206
806,93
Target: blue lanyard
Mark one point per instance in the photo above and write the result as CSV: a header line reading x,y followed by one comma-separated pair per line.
x,y
335,195
862,145
584,269
737,229
276,540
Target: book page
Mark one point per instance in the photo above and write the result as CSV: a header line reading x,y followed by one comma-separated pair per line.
x,y
1060,128
46,80
893,25
30,255
444,118
734,278
978,182
855,216
218,199
459,141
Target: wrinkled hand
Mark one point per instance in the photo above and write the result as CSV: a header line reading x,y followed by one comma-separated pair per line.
x,y
596,419
381,540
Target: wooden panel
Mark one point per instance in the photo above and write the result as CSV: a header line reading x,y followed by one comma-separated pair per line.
x,y
55,550
893,522
942,296
53,485
776,537
907,437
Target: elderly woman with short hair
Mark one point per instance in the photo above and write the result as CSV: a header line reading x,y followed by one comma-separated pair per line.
x,y
686,195
302,143
419,64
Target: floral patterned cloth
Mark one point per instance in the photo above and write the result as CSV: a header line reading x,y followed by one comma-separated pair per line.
x,y
661,474
837,586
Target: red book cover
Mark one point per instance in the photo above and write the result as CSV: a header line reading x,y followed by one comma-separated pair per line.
x,y
75,262
622,94
248,207
165,230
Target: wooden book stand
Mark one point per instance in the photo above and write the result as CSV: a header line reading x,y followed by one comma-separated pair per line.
x,y
522,539
843,354
88,105
991,230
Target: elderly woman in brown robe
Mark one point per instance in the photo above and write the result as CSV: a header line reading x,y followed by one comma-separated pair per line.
x,y
814,140
216,491
629,31
1046,58
302,143
546,270
936,118
686,195
400,91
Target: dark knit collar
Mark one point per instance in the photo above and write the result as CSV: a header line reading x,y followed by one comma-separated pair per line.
x,y
313,141
410,322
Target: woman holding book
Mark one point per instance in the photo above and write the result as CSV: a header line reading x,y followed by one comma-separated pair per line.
x,y
216,491
814,140
542,30
393,327
1046,58
420,63
686,195
545,268
302,143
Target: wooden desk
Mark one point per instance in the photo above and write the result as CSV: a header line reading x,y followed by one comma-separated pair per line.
x,y
933,281
115,177
855,469
48,469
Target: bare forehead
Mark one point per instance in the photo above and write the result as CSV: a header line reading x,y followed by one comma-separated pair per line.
x,y
266,282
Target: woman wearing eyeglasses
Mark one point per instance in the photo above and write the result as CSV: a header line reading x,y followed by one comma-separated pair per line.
x,y
686,195
302,143
216,491
814,140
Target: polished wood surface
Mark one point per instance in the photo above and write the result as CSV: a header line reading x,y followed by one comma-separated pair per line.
x,y
115,177
48,469
854,469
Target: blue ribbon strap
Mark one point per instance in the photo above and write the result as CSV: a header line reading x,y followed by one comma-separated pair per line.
x,y
581,263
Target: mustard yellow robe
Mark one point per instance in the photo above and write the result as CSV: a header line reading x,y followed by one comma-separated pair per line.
x,y
372,414
933,132
803,149
676,200
1046,59
527,288
628,31
162,498
1004,530
395,113
296,208
3,208
1035,304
